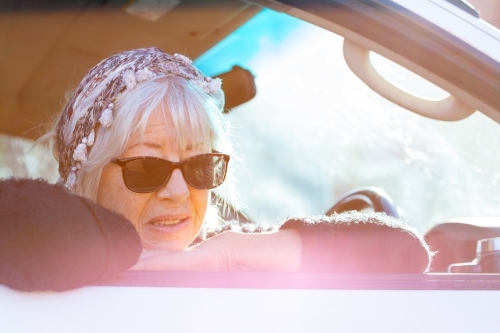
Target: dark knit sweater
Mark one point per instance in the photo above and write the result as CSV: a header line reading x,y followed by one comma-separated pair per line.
x,y
355,242
53,240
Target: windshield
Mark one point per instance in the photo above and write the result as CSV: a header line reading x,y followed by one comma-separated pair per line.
x,y
315,131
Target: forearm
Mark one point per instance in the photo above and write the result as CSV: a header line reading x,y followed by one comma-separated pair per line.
x,y
360,243
278,251
232,251
351,243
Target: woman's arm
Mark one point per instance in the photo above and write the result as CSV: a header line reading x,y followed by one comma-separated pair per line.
x,y
356,242
53,240
232,251
352,242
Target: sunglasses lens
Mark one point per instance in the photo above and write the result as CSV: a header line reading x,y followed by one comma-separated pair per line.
x,y
146,175
205,171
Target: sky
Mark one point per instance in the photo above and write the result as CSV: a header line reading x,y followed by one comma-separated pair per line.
x,y
239,48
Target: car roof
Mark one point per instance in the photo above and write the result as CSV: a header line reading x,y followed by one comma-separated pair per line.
x,y
51,44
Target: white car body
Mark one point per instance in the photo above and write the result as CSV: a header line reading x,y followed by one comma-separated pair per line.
x,y
151,309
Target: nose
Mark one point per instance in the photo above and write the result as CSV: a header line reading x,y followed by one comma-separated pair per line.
x,y
176,189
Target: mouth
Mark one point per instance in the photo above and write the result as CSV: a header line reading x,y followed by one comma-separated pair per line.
x,y
169,232
167,224
162,223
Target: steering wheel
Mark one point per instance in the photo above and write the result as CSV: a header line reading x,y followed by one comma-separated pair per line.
x,y
365,197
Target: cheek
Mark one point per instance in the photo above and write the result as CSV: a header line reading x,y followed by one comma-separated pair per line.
x,y
113,195
201,200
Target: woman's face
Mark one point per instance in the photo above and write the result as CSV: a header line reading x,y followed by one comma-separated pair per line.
x,y
170,218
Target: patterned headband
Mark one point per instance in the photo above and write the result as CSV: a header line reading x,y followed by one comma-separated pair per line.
x,y
92,103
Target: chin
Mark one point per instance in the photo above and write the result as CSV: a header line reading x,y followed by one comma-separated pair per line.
x,y
166,246
168,237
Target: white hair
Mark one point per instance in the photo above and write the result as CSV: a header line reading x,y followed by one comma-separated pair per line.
x,y
198,119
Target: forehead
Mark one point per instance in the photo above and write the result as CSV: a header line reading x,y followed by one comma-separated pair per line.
x,y
160,122
162,130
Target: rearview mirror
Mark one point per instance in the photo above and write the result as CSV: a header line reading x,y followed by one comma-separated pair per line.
x,y
238,85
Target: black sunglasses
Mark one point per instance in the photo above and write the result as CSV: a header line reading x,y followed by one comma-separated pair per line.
x,y
148,174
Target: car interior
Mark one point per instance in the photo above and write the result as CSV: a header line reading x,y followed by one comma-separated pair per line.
x,y
48,45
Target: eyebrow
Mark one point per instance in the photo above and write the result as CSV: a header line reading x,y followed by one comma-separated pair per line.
x,y
155,145
148,144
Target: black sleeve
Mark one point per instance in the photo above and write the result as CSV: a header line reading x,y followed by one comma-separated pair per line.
x,y
51,239
355,242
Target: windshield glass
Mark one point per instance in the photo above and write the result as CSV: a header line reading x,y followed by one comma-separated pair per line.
x,y
315,131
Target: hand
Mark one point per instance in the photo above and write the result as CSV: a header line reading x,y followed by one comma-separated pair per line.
x,y
231,251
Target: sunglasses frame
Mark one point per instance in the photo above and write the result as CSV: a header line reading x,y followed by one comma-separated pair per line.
x,y
122,162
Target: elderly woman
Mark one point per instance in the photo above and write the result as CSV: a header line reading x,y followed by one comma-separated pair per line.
x,y
144,135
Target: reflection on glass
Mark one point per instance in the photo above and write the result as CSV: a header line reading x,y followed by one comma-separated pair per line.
x,y
21,159
315,131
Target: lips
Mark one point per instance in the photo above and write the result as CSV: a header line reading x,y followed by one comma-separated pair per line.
x,y
167,224
168,232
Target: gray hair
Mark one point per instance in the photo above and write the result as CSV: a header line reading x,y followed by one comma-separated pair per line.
x,y
198,119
